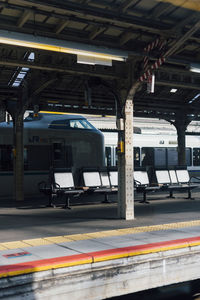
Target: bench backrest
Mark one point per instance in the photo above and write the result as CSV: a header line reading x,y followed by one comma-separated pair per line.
x,y
183,176
64,180
105,182
113,175
141,177
173,177
91,179
163,177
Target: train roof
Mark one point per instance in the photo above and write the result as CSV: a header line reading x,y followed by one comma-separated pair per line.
x,y
49,117
43,120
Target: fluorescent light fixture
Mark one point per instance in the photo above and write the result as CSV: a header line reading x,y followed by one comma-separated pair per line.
x,y
22,71
44,43
194,98
195,68
82,59
153,83
173,90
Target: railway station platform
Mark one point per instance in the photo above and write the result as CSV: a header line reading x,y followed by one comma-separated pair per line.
x,y
88,253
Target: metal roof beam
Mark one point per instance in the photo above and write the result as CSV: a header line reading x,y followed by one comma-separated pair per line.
x,y
160,9
177,44
128,3
176,84
97,31
62,24
125,37
23,19
78,70
184,22
87,14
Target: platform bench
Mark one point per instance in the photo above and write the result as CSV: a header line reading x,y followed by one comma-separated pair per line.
x,y
61,184
142,184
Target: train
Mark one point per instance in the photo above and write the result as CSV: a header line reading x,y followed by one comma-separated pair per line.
x,y
50,141
156,150
71,141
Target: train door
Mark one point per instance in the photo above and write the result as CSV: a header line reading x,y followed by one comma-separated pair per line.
x,y
188,155
160,157
61,154
111,156
136,153
147,156
196,157
172,156
108,156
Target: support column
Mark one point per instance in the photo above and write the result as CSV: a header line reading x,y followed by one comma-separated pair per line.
x,y
181,145
181,124
18,157
125,166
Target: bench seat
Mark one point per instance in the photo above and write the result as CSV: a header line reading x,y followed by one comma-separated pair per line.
x,y
142,184
61,183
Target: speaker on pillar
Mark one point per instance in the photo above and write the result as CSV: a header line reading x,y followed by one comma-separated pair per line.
x,y
150,83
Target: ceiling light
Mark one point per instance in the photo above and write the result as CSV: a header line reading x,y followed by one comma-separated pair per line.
x,y
194,98
173,90
195,68
63,46
83,59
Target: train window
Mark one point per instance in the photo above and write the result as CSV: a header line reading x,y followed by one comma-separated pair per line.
x,y
188,156
62,155
147,156
57,151
196,156
38,157
108,156
71,124
172,156
69,157
136,156
80,124
116,157
25,159
6,158
160,158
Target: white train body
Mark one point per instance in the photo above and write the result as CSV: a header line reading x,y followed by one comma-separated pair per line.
x,y
162,150
48,142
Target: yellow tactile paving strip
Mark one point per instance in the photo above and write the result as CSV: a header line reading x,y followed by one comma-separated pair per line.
x,y
95,235
37,242
57,239
13,245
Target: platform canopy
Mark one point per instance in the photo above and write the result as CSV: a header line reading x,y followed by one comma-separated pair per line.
x,y
72,55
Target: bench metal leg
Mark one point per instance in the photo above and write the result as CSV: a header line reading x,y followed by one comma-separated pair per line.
x,y
189,195
50,204
66,206
144,198
105,199
171,195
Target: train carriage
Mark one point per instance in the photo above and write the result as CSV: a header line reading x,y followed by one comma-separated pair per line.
x,y
156,150
50,140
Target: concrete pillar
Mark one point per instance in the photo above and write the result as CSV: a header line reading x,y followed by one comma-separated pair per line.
x,y
18,157
181,124
181,145
125,166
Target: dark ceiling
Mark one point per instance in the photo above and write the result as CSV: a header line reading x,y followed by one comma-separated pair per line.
x,y
56,82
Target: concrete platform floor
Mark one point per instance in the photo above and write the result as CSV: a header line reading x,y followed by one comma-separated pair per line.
x,y
32,219
37,242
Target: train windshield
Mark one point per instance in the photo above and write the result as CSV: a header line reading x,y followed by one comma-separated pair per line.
x,y
71,124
